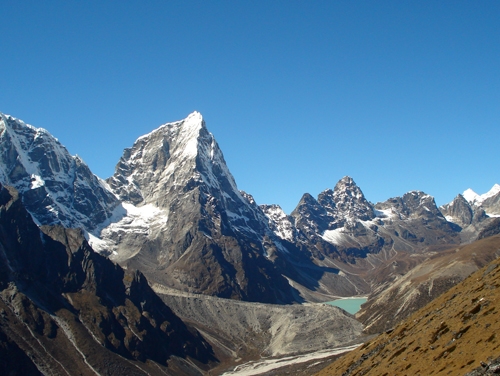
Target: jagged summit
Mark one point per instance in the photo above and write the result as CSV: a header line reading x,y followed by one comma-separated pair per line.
x,y
477,199
176,154
350,200
186,216
458,211
55,186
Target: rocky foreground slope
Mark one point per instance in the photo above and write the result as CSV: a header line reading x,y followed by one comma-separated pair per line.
x,y
440,271
453,335
65,310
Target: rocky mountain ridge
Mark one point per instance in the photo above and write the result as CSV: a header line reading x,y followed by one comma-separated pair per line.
x,y
172,209
64,309
56,187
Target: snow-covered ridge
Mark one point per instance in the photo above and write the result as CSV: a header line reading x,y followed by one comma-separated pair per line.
x,y
477,199
56,188
280,223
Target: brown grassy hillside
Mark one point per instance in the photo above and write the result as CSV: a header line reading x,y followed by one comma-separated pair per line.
x,y
452,335
441,270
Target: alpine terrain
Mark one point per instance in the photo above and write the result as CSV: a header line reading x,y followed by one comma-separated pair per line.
x,y
173,210
66,310
169,251
457,334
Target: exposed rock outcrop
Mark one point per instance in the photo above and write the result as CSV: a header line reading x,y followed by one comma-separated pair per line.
x,y
55,187
70,310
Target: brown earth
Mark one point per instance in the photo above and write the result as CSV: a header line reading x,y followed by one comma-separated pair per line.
x,y
438,272
453,335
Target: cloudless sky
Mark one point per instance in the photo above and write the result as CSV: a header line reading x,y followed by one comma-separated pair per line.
x,y
399,95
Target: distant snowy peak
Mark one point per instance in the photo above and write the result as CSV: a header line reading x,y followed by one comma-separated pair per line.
x,y
280,223
470,195
56,187
476,199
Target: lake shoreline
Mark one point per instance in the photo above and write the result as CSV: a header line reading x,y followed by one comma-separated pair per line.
x,y
351,304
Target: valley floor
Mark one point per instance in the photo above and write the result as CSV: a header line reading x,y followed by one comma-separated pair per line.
x,y
255,338
266,365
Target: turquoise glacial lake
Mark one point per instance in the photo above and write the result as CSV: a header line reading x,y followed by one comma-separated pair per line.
x,y
351,305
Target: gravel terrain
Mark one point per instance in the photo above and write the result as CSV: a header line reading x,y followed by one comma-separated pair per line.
x,y
240,332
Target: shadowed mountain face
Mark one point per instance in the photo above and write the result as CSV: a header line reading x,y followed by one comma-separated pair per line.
x,y
453,335
55,187
66,310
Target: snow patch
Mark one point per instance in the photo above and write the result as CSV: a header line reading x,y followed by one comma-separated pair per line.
x,y
36,181
335,237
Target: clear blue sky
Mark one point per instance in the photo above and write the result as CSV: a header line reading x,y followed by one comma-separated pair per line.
x,y
400,95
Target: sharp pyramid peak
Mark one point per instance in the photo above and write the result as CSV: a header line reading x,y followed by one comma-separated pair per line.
x,y
470,195
187,126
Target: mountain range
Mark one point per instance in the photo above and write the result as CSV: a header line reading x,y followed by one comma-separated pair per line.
x,y
172,210
120,263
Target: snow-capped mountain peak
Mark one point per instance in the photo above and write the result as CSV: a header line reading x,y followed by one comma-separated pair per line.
x,y
55,186
470,195
474,198
181,153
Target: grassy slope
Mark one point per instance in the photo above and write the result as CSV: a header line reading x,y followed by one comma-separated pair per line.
x,y
451,335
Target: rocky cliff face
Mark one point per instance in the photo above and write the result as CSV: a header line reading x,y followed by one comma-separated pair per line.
x,y
458,211
56,187
205,235
65,309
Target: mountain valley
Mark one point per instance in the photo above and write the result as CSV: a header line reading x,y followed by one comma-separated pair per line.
x,y
456,333
184,258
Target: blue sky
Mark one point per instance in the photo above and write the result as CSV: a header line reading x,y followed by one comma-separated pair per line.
x,y
400,95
